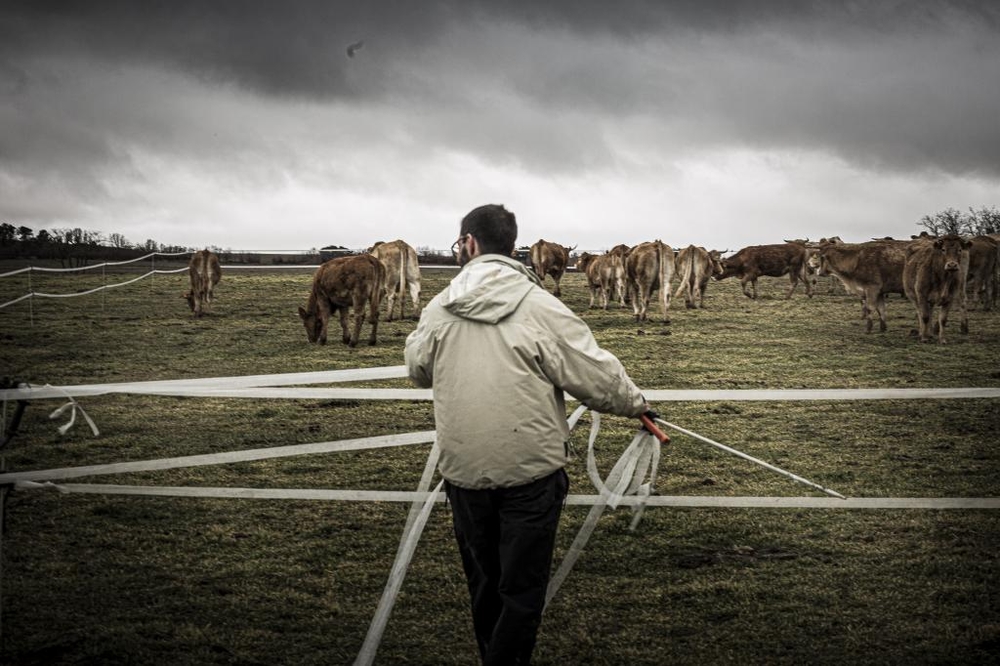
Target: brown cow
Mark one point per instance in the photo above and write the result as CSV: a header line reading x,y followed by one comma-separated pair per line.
x,y
695,266
771,260
341,284
871,270
205,272
402,273
648,267
549,259
933,277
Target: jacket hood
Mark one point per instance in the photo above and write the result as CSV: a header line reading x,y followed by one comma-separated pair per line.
x,y
488,288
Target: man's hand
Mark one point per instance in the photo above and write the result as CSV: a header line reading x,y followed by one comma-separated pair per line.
x,y
648,419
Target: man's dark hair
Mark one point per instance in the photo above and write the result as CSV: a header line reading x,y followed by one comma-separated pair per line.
x,y
494,227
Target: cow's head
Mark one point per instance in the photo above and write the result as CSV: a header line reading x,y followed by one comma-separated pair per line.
x,y
816,263
312,322
715,256
952,248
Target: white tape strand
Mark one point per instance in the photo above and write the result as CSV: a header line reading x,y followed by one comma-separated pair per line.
x,y
222,458
409,496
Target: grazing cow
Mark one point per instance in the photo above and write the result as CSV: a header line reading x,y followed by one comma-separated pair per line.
x,y
550,259
205,272
605,275
933,277
695,266
402,273
339,285
648,267
871,270
771,260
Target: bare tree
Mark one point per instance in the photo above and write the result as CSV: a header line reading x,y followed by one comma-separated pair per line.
x,y
118,240
949,221
984,221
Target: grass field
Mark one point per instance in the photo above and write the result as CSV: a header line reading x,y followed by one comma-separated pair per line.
x,y
142,580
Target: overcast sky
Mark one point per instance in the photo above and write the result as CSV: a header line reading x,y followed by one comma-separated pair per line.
x,y
246,125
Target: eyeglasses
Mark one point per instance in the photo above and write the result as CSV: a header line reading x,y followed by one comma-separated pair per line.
x,y
457,245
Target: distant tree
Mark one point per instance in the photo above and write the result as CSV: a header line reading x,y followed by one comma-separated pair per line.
x,y
150,245
984,221
25,234
7,233
44,237
949,221
118,240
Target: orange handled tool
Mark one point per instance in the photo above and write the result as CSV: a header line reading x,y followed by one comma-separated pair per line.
x,y
652,427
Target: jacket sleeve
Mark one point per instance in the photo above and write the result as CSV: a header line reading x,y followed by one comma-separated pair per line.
x,y
573,361
419,355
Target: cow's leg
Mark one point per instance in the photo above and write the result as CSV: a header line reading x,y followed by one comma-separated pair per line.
x,y
323,311
557,293
794,279
743,285
943,310
345,335
923,320
373,306
390,297
880,308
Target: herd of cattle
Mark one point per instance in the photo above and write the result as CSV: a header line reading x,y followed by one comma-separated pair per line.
x,y
932,272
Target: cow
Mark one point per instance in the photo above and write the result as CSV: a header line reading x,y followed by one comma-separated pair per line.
x,y
871,270
984,252
205,272
550,259
402,274
605,275
771,260
695,266
648,267
933,277
340,284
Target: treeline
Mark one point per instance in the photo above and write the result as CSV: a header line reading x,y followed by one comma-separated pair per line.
x,y
952,221
73,247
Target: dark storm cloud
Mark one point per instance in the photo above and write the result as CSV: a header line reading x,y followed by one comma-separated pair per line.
x,y
895,86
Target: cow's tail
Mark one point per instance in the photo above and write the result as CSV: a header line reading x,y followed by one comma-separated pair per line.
x,y
662,252
403,256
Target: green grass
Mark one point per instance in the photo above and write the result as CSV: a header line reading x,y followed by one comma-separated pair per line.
x,y
141,580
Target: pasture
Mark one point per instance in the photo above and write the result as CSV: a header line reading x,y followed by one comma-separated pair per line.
x,y
146,580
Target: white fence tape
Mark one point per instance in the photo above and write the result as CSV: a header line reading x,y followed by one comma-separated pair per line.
x,y
410,496
263,386
623,487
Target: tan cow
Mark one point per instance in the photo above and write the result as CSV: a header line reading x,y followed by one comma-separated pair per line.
x,y
402,273
605,276
771,260
339,285
983,259
205,272
549,259
871,270
648,267
933,277
695,266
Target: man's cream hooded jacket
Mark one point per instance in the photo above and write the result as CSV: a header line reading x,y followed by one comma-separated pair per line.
x,y
499,352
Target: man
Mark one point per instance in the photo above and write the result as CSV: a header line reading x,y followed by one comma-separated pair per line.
x,y
499,351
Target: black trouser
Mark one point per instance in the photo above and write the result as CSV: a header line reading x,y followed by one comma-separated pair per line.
x,y
506,537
